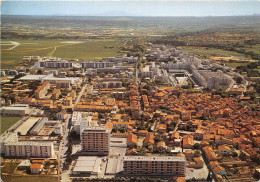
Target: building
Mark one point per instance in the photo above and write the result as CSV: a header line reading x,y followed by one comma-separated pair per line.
x,y
62,115
55,94
159,165
224,150
42,90
28,149
188,142
36,168
15,110
131,140
86,165
95,140
53,63
94,64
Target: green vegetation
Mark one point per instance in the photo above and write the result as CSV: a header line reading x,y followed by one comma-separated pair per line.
x,y
9,168
205,51
90,49
7,122
251,69
234,65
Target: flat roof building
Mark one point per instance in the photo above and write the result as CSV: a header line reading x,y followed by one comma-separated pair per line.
x,y
87,165
17,148
95,140
15,110
154,165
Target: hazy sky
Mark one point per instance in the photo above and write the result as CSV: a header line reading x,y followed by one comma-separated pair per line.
x,y
132,8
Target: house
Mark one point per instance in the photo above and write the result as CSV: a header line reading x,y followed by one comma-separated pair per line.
x,y
224,150
210,155
149,139
175,135
198,135
179,179
62,115
197,163
36,168
58,129
131,140
189,154
188,142
24,165
142,132
161,144
217,169
162,128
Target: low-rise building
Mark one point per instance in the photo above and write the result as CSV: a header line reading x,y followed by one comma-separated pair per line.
x,y
15,110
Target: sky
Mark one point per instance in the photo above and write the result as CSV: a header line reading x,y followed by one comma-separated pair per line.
x,y
132,8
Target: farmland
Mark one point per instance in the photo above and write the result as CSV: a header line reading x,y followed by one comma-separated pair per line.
x,y
89,49
204,51
7,122
16,178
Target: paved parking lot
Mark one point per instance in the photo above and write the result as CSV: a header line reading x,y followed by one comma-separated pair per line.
x,y
197,173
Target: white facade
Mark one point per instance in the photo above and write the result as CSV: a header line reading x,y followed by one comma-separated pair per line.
x,y
29,149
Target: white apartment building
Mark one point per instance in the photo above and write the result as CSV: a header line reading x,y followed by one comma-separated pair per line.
x,y
94,64
17,148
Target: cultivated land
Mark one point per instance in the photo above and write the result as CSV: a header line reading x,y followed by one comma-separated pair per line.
x,y
7,122
90,49
14,178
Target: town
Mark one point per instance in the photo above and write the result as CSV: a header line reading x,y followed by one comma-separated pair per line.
x,y
165,114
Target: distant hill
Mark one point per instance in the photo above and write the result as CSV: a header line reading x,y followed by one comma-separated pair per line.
x,y
115,13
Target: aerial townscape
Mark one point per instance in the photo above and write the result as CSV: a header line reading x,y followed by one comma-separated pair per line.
x,y
131,104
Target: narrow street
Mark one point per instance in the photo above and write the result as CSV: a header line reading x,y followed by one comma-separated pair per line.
x,y
80,94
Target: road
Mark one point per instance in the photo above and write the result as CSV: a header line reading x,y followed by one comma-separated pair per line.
x,y
62,150
80,94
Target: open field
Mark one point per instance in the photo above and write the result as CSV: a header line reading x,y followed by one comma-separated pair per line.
x,y
29,178
204,51
84,49
234,65
7,122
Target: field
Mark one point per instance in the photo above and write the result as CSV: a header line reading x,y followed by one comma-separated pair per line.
x,y
234,65
7,122
90,49
204,51
43,178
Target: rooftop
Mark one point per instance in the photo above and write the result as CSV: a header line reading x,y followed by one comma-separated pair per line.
x,y
154,158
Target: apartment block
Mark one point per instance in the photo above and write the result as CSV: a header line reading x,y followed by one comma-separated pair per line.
x,y
55,64
159,165
94,64
95,140
29,149
41,91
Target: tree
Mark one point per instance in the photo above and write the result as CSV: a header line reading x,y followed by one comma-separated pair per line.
x,y
122,129
47,164
197,153
196,146
115,129
239,80
39,72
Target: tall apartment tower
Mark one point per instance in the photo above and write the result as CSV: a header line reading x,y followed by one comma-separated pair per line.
x,y
95,140
154,165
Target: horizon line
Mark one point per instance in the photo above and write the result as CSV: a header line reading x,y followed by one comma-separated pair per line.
x,y
255,14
